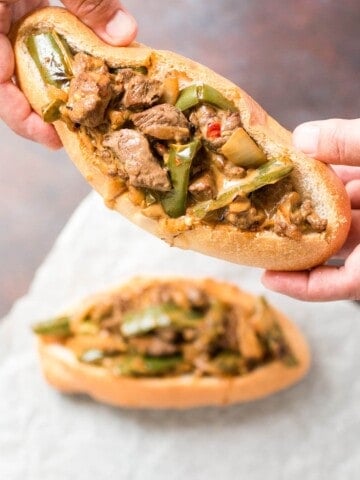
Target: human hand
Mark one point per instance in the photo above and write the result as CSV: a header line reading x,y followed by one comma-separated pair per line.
x,y
107,18
336,142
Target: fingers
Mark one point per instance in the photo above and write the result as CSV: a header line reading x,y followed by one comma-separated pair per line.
x,y
353,190
5,18
107,18
353,238
350,177
7,62
16,112
346,173
20,8
332,141
15,109
320,284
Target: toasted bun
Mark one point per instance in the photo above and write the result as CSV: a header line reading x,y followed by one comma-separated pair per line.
x,y
311,178
62,369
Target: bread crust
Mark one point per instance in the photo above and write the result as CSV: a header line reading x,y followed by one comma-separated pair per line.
x,y
265,249
62,369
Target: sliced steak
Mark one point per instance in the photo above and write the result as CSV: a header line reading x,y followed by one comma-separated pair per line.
x,y
230,122
203,117
249,219
203,187
215,126
233,171
294,216
121,78
133,151
90,91
229,339
86,63
318,224
141,92
164,122
153,346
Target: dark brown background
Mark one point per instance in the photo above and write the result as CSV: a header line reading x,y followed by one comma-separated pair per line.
x,y
299,59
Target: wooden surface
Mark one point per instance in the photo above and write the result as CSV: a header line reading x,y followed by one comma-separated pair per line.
x,y
300,60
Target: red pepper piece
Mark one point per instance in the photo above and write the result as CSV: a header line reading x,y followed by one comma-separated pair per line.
x,y
213,130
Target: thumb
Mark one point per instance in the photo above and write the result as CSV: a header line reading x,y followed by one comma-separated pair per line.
x,y
332,141
109,20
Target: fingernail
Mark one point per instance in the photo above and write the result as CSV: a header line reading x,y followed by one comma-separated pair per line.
x,y
121,26
306,138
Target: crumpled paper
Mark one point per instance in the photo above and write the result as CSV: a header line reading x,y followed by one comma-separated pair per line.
x,y
308,431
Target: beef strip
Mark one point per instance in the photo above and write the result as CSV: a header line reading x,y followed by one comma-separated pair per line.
x,y
202,118
90,91
133,151
164,122
247,220
289,215
305,214
230,122
198,298
86,63
229,340
233,171
141,92
210,330
184,296
121,78
318,224
152,345
228,168
203,187
284,228
205,116
293,216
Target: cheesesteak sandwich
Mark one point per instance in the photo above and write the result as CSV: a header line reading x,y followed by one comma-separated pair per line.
x,y
179,150
172,343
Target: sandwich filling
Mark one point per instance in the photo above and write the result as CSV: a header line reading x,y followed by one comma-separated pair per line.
x,y
171,328
176,147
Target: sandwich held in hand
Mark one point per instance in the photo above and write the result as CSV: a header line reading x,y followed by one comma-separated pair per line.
x,y
172,343
179,150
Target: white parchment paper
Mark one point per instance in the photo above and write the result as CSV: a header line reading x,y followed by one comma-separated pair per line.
x,y
310,431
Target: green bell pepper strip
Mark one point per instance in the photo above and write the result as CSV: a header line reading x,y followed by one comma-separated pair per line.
x,y
137,365
179,163
52,57
57,327
279,348
269,173
227,362
144,321
194,95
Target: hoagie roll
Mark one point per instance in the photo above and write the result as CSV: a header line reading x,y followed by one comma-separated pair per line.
x,y
172,343
179,150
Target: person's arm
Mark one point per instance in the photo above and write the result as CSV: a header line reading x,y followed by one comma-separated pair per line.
x,y
336,142
107,18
